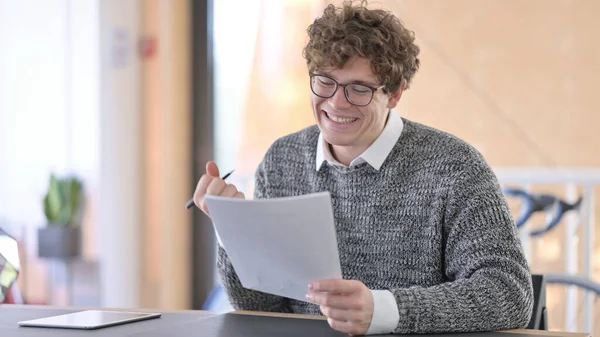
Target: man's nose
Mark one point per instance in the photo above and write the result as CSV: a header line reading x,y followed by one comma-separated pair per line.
x,y
338,100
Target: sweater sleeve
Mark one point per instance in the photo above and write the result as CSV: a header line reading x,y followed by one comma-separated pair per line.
x,y
489,287
239,297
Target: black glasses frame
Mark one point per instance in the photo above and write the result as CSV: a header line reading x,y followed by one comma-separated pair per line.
x,y
337,85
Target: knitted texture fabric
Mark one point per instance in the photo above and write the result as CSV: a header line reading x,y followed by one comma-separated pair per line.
x,y
432,226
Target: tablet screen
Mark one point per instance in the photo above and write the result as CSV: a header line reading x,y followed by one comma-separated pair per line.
x,y
89,319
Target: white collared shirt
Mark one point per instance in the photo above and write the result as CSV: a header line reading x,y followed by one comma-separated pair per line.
x,y
376,154
385,309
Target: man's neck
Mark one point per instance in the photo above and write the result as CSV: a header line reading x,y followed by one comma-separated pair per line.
x,y
346,154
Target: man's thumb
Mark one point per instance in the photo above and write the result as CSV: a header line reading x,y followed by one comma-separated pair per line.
x,y
212,169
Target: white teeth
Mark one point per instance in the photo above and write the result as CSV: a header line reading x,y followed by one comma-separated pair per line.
x,y
341,120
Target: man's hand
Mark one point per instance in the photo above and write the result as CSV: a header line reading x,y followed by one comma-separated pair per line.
x,y
347,304
211,184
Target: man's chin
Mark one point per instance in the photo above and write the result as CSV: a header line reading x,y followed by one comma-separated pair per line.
x,y
337,140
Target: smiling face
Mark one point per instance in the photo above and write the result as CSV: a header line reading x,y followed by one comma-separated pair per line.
x,y
351,129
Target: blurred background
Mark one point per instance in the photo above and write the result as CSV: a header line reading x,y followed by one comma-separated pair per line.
x,y
110,109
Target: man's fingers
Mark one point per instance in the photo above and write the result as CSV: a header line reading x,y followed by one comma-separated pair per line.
x,y
336,286
229,191
345,302
216,186
212,169
203,206
345,326
211,184
338,314
201,188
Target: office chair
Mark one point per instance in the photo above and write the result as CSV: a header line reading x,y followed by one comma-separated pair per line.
x,y
539,316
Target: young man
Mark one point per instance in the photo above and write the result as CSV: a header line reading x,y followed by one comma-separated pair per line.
x,y
426,240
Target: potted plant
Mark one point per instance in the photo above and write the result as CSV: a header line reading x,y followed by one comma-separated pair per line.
x,y
63,207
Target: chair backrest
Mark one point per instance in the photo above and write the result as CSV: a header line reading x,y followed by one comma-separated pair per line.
x,y
539,316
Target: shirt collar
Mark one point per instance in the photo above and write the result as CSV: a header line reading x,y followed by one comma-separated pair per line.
x,y
376,154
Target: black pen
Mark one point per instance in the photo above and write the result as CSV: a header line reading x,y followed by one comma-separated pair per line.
x,y
190,203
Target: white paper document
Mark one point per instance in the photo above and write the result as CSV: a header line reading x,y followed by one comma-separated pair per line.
x,y
278,246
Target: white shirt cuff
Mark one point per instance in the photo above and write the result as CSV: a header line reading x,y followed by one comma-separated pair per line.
x,y
385,313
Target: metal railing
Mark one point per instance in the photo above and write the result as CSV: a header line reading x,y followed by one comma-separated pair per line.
x,y
571,179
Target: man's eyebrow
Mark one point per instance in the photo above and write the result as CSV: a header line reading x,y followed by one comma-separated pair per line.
x,y
367,83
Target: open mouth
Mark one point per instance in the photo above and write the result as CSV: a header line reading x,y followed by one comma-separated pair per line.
x,y
340,120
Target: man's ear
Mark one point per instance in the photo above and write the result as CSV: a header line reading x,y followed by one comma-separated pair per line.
x,y
395,96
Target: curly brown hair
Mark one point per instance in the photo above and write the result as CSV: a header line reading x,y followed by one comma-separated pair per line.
x,y
342,33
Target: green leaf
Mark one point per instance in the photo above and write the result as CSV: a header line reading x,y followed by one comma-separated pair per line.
x,y
63,202
53,201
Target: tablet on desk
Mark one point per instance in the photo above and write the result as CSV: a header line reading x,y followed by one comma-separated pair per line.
x,y
89,319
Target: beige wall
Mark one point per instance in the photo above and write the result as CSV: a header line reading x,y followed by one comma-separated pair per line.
x,y
166,82
515,78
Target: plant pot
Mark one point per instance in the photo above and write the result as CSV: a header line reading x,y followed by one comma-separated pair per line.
x,y
59,242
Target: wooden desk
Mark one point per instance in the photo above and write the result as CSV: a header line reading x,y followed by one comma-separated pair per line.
x,y
11,314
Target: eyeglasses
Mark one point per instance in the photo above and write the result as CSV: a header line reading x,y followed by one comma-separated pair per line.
x,y
357,94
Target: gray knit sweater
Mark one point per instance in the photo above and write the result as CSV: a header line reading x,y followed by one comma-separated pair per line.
x,y
431,226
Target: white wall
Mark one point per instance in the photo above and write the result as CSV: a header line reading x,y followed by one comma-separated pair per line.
x,y
232,73
48,100
70,101
33,100
120,200
61,64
